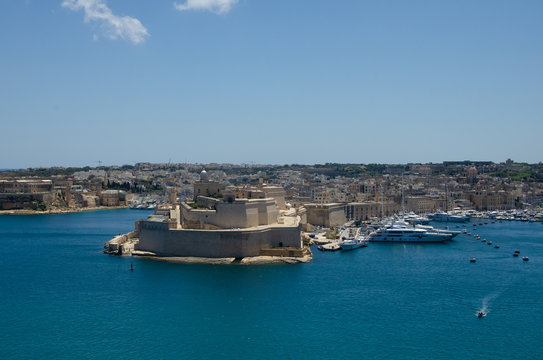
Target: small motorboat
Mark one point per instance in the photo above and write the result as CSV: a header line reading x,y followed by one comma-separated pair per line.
x,y
515,254
334,246
472,260
489,243
353,243
525,258
496,246
480,314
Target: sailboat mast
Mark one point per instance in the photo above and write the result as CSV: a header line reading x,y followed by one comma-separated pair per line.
x,y
403,198
382,203
446,198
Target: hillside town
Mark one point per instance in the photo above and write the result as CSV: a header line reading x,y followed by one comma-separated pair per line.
x,y
322,195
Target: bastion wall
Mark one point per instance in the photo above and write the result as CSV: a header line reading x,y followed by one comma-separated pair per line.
x,y
157,238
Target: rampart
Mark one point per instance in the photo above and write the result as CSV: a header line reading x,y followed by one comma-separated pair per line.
x,y
159,238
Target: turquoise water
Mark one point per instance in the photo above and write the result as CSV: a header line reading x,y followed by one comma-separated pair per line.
x,y
63,298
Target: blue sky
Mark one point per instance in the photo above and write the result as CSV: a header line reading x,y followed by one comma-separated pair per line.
x,y
263,81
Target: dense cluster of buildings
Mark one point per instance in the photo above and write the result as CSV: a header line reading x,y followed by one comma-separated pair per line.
x,y
250,210
56,193
362,192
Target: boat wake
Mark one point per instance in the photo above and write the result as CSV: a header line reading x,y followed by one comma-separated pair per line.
x,y
485,303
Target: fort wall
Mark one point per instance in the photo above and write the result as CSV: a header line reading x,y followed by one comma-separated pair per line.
x,y
159,239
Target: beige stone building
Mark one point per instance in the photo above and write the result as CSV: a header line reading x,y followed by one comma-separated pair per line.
x,y
483,199
205,187
367,210
421,204
277,193
326,215
113,198
31,186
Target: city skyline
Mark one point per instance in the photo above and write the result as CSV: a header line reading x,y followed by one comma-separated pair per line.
x,y
278,82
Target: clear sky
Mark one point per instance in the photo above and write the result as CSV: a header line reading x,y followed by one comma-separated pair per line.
x,y
269,81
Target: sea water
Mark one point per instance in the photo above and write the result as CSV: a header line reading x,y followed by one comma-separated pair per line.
x,y
62,298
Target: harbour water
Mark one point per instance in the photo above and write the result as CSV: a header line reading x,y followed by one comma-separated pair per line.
x,y
63,298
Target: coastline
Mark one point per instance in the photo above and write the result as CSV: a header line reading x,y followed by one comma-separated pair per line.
x,y
253,260
58,211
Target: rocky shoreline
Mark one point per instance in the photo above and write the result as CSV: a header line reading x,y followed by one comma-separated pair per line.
x,y
253,260
58,211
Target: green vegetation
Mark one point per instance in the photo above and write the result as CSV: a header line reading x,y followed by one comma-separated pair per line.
x,y
113,185
526,174
197,205
39,207
332,234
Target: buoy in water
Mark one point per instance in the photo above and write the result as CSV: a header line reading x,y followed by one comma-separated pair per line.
x,y
131,267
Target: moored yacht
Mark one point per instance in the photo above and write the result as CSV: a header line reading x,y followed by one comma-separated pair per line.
x,y
452,233
353,243
415,219
451,217
402,233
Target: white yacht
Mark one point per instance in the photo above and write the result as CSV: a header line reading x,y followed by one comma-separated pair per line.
x,y
415,219
401,222
452,233
401,233
353,243
352,238
445,216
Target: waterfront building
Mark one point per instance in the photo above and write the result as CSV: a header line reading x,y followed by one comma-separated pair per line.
x,y
421,204
483,199
31,186
26,194
222,226
326,215
113,197
368,210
